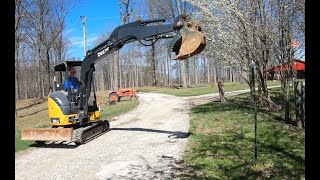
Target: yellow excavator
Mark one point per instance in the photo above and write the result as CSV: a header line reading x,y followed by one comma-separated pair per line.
x,y
75,116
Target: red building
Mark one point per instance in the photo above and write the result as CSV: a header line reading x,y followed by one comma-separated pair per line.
x,y
298,70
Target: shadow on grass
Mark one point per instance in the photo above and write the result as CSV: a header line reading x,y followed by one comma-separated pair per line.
x,y
230,153
235,159
239,103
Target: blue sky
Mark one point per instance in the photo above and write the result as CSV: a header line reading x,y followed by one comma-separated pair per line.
x,y
102,16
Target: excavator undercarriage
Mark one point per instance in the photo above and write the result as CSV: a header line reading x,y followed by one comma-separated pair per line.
x,y
78,135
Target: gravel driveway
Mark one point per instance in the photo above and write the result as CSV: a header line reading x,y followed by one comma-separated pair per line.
x,y
145,143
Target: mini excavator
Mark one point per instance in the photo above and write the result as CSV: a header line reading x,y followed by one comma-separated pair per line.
x,y
75,116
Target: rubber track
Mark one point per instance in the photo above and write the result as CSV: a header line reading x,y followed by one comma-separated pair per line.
x,y
82,134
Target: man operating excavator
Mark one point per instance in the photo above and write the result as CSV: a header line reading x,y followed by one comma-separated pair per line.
x,y
72,82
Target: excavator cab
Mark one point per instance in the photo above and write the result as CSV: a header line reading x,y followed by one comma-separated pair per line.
x,y
61,73
69,99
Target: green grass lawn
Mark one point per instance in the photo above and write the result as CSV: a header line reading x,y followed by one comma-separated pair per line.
x,y
221,144
202,89
119,108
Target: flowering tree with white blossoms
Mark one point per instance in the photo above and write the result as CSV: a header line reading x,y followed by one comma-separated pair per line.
x,y
245,34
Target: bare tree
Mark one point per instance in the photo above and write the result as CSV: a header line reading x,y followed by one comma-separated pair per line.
x,y
19,37
126,9
19,15
42,25
290,16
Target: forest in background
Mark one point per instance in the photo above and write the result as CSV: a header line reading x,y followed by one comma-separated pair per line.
x,y
243,36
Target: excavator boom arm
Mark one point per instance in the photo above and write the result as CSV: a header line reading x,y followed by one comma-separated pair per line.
x,y
135,31
128,33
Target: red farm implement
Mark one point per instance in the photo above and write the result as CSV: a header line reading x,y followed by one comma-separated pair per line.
x,y
115,96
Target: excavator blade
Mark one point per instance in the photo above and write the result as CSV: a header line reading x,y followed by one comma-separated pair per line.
x,y
189,42
47,134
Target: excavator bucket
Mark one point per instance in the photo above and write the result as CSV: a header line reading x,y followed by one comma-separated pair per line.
x,y
189,42
47,134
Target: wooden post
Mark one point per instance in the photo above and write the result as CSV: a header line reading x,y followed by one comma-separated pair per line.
x,y
299,96
221,91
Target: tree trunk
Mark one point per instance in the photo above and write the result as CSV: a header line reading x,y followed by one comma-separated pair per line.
x,y
40,80
116,72
154,66
195,72
17,83
168,68
208,71
48,73
183,73
230,74
187,71
221,91
214,74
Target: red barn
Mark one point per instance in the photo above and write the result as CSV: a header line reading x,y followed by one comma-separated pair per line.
x,y
298,68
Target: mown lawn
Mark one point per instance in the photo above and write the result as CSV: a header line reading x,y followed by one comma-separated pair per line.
x,y
201,89
221,144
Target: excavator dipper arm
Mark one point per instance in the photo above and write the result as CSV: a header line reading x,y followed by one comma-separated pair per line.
x,y
135,31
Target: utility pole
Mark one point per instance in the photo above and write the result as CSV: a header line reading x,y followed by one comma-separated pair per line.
x,y
84,35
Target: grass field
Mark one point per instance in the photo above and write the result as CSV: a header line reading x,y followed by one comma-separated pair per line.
x,y
221,145
201,89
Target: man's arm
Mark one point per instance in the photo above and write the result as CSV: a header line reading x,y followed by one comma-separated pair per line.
x,y
66,85
77,83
